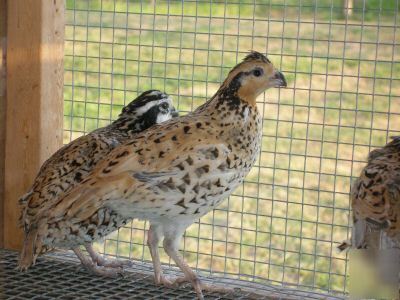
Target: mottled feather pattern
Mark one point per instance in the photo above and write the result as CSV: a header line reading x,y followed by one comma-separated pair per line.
x,y
375,199
71,164
170,174
181,171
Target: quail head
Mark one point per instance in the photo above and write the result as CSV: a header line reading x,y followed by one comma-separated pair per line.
x,y
171,174
72,163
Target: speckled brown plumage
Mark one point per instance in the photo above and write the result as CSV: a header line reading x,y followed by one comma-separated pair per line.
x,y
72,163
173,173
375,200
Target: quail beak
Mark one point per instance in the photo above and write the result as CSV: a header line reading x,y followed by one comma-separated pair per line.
x,y
279,79
174,113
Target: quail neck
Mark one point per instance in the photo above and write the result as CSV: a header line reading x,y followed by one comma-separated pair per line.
x,y
235,120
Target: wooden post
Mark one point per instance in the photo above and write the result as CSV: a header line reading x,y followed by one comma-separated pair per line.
x,y
3,34
348,8
35,43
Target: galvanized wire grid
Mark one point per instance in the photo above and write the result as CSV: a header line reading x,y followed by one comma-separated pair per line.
x,y
283,224
60,276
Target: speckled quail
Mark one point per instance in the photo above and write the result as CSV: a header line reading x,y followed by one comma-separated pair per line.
x,y
171,174
72,163
375,200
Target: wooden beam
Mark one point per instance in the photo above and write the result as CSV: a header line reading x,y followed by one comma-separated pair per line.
x,y
35,43
3,36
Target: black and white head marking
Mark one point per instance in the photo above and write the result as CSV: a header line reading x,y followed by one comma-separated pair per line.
x,y
150,108
145,101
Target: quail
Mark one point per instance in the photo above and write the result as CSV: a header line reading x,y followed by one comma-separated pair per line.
x,y
375,201
171,174
71,164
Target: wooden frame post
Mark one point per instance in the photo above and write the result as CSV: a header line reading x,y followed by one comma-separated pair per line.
x,y
34,102
348,8
3,34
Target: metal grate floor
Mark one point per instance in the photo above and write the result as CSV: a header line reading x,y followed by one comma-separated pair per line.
x,y
55,278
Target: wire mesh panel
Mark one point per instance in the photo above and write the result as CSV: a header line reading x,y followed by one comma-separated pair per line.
x,y
282,225
69,281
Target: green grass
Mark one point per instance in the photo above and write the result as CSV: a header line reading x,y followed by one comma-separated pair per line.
x,y
283,223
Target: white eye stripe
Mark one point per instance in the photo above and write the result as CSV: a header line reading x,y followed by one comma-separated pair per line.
x,y
147,106
155,93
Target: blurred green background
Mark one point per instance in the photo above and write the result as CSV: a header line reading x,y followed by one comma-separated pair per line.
x,y
283,224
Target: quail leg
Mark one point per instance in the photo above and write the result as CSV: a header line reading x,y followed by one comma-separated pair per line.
x,y
91,266
101,261
154,237
171,243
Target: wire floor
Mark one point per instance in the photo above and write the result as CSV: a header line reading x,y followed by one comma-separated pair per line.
x,y
57,278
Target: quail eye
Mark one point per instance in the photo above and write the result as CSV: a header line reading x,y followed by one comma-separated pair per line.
x,y
164,105
258,72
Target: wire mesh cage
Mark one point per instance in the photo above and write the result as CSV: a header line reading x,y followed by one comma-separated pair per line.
x,y
282,225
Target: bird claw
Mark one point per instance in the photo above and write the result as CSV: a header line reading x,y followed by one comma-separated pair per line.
x,y
108,262
174,281
181,281
200,287
113,263
162,280
110,272
178,282
103,268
